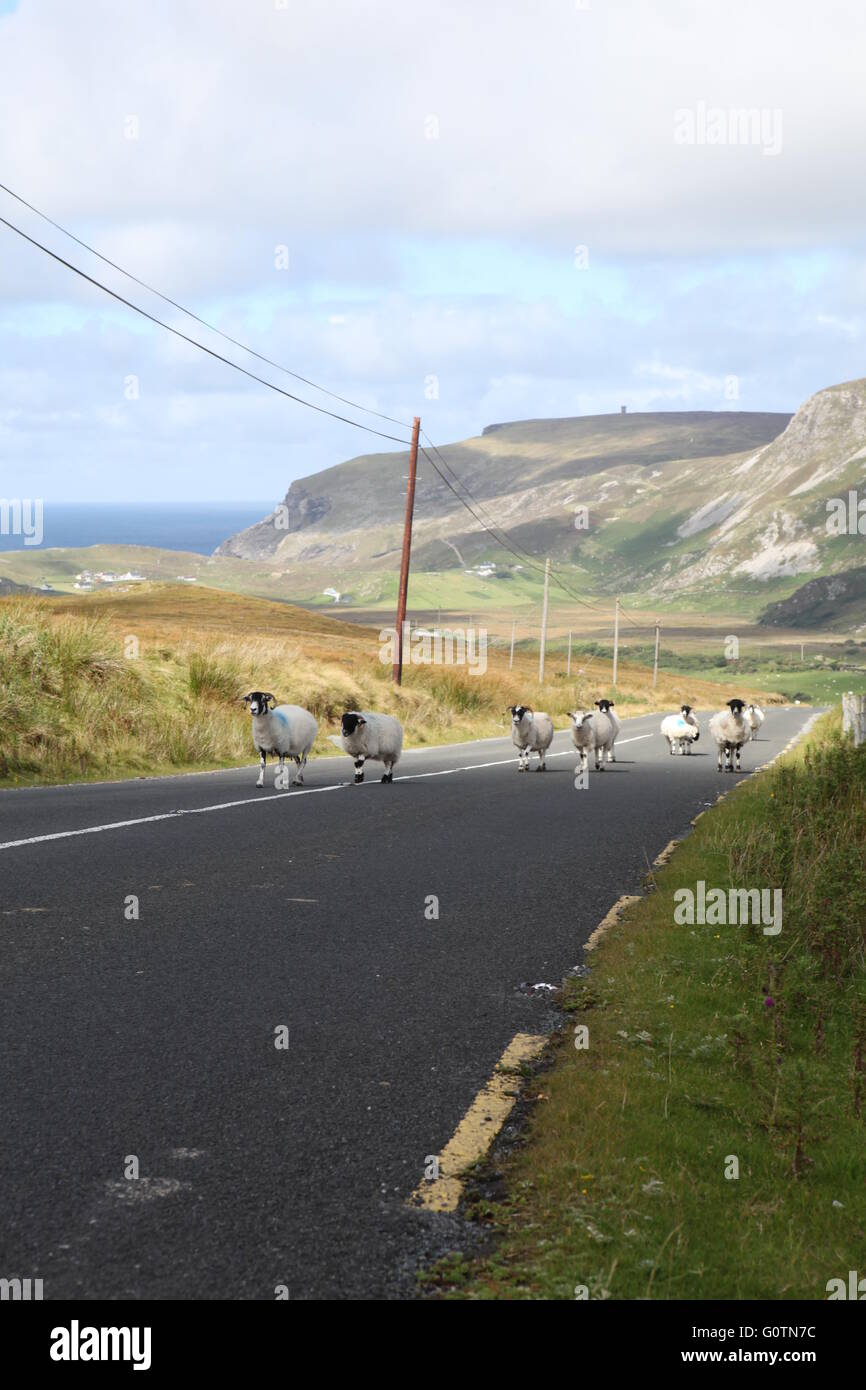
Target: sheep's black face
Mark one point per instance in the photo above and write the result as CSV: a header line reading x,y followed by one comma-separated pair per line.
x,y
517,712
736,706
349,723
604,705
686,709
258,701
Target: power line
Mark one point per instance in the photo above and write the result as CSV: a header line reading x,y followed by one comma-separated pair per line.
x,y
493,529
204,322
500,540
194,341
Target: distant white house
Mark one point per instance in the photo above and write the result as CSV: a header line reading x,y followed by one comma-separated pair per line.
x,y
332,593
187,579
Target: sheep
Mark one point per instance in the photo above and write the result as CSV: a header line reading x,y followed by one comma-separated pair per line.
x,y
681,730
376,736
531,732
286,731
731,729
582,736
605,707
755,716
592,731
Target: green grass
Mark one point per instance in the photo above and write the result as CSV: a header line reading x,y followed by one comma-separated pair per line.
x,y
707,1042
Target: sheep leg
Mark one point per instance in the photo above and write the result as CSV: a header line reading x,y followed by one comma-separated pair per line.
x,y
389,772
279,779
262,760
719,762
359,768
302,763
737,751
541,767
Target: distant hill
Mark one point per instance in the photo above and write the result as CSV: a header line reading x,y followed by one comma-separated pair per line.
x,y
834,601
682,507
528,477
9,586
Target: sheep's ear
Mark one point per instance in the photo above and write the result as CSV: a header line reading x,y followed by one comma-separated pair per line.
x,y
360,720
270,700
246,699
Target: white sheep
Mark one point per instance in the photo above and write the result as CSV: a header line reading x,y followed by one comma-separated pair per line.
x,y
582,736
606,707
286,731
731,729
531,732
681,730
376,736
755,716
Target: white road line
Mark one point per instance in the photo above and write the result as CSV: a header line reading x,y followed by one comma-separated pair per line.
x,y
269,800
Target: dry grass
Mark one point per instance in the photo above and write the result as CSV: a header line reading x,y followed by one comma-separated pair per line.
x,y
149,681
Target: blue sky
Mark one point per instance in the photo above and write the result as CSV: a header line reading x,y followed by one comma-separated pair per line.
x,y
486,209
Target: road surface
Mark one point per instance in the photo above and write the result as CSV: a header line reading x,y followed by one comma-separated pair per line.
x,y
152,1040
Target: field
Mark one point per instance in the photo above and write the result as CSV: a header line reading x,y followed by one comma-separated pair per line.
x,y
149,681
707,1140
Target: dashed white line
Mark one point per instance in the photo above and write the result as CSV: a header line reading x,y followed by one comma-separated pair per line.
x,y
269,800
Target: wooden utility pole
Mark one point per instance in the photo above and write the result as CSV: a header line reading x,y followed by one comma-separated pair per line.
x,y
656,658
615,641
543,622
568,672
397,668
511,658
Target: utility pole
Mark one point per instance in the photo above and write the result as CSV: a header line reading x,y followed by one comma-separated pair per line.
x,y
543,622
568,672
656,658
397,668
511,658
802,653
615,641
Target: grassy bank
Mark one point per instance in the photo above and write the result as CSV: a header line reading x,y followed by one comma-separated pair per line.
x,y
707,1044
110,685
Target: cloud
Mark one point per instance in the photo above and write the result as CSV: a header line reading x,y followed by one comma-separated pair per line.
x,y
430,171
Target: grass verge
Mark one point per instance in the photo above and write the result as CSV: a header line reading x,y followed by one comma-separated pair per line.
x,y
708,1044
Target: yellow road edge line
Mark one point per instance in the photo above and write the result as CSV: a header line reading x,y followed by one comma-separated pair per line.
x,y
611,919
661,859
478,1128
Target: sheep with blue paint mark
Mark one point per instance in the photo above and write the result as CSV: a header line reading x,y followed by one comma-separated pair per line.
x,y
284,731
681,730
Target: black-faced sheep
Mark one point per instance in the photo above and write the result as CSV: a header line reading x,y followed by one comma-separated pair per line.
x,y
731,729
285,731
531,732
376,736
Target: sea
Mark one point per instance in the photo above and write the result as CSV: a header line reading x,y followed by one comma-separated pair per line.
x,y
194,526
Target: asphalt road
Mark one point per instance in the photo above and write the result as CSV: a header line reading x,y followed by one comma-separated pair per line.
x,y
154,1037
